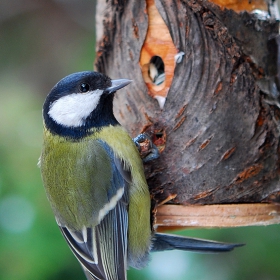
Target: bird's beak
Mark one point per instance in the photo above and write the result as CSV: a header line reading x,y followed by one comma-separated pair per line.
x,y
117,84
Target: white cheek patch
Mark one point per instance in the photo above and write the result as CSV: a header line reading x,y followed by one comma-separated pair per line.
x,y
72,110
111,204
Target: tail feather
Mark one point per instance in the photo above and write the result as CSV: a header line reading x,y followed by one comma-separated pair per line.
x,y
162,242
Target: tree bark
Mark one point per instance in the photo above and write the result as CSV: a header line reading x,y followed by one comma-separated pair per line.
x,y
218,131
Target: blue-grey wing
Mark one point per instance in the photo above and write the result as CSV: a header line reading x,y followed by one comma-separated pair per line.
x,y
102,250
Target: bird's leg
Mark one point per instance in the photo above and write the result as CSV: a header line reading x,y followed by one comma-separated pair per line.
x,y
147,149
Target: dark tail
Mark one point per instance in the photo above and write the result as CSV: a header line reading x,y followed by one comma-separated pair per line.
x,y
163,242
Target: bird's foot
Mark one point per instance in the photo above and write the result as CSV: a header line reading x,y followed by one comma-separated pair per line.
x,y
147,149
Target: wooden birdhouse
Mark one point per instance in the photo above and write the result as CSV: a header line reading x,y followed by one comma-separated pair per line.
x,y
206,90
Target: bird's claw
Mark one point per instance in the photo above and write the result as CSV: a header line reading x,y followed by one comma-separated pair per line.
x,y
147,149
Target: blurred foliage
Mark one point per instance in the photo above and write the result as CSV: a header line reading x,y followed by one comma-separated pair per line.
x,y
42,41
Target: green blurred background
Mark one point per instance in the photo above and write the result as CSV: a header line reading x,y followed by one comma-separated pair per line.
x,y
41,42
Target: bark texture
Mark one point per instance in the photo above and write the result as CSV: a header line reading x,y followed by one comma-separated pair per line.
x,y
218,132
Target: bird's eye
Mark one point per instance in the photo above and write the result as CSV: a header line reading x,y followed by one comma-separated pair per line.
x,y
84,87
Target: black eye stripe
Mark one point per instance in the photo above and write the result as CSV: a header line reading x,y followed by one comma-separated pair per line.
x,y
84,87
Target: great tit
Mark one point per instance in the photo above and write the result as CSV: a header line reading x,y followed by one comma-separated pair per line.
x,y
94,179
156,70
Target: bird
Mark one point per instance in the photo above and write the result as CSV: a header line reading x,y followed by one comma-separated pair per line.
x,y
156,70
157,77
94,180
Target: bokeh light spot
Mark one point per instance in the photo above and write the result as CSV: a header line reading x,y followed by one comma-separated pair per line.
x,y
16,214
169,265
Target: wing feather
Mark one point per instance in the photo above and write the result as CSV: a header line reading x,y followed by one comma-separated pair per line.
x,y
102,250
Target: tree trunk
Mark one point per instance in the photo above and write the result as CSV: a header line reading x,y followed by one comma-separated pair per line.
x,y
215,117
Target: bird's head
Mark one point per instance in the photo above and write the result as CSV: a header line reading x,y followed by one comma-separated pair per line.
x,y
80,102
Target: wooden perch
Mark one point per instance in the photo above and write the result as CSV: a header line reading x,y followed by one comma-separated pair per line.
x,y
218,129
222,215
